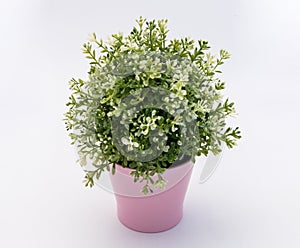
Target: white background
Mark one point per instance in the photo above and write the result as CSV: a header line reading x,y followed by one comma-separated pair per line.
x,y
253,198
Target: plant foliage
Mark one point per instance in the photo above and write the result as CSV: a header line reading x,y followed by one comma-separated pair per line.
x,y
123,65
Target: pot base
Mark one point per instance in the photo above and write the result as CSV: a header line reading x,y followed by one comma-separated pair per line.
x,y
151,214
149,230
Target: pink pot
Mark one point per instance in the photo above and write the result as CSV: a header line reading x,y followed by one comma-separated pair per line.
x,y
154,212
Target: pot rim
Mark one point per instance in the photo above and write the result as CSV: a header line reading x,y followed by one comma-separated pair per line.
x,y
126,170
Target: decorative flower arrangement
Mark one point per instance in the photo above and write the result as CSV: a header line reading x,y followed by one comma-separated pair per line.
x,y
149,103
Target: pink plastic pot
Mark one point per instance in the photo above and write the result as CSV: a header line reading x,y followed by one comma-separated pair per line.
x,y
155,212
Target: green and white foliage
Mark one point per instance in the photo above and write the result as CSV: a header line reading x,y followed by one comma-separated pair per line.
x,y
150,96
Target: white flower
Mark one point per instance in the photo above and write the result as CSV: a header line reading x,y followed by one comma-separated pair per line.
x,y
166,148
143,64
130,144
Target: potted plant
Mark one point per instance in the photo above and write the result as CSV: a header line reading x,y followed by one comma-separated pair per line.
x,y
149,106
